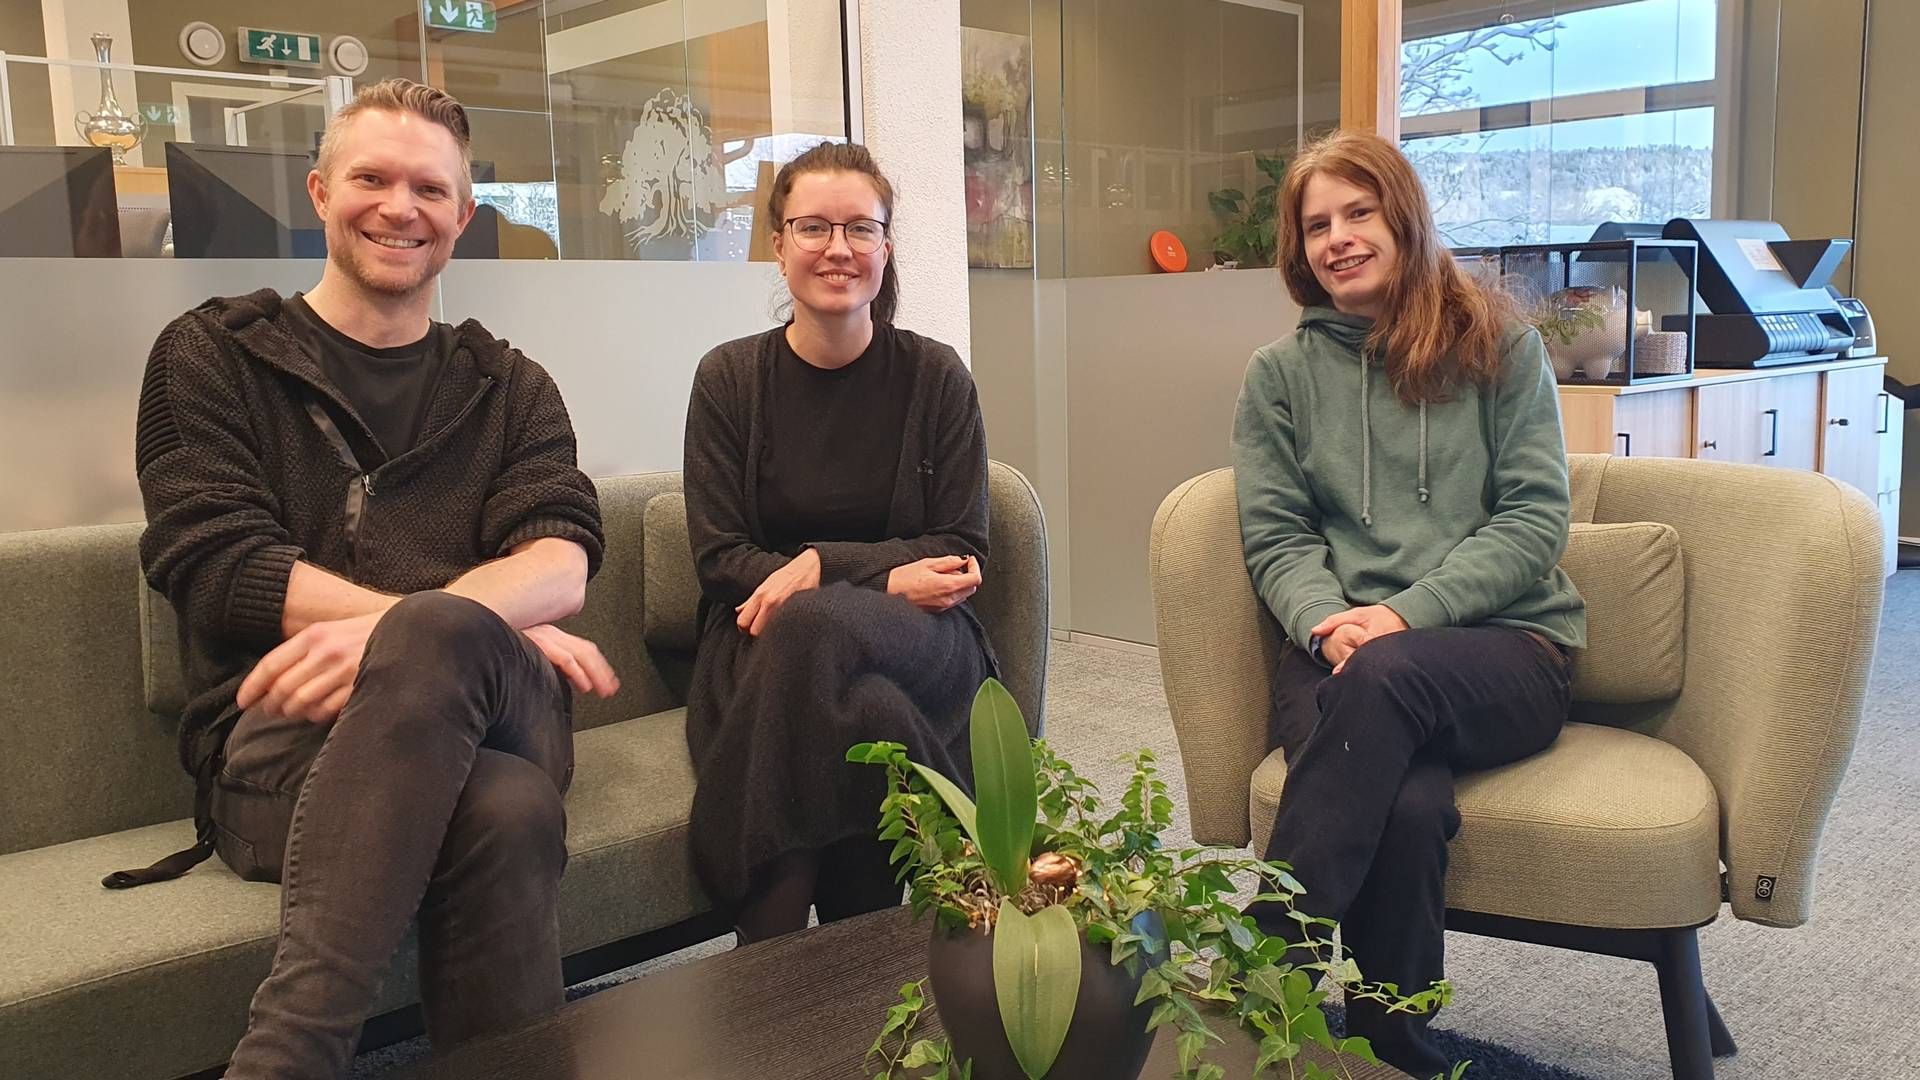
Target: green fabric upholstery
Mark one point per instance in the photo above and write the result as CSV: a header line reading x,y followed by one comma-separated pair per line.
x,y
80,755
154,982
1768,560
673,592
1604,828
615,598
1633,581
160,660
91,979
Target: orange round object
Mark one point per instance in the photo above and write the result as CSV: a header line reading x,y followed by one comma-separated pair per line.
x,y
1169,253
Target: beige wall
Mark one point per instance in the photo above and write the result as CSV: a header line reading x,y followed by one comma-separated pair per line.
x,y
1823,145
22,31
1817,119
1889,227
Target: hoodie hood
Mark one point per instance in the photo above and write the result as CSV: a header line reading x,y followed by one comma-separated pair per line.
x,y
1348,335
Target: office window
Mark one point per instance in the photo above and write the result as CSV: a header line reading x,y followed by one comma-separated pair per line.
x,y
1534,122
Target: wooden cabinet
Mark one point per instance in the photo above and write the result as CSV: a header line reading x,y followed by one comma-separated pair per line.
x,y
1759,421
1891,428
1831,417
1631,425
1850,436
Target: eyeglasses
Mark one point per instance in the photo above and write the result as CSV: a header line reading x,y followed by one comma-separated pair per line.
x,y
864,235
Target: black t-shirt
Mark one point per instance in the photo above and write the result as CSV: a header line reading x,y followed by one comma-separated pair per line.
x,y
832,445
391,389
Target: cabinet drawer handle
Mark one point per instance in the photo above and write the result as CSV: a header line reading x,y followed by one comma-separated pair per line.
x,y
1626,442
1710,444
1773,434
1885,401
1840,421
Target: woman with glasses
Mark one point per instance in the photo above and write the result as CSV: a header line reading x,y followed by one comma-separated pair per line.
x,y
836,486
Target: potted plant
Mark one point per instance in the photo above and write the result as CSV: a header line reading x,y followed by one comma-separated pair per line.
x,y
1584,328
1065,933
1248,236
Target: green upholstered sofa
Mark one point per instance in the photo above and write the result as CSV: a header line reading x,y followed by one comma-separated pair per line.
x,y
155,981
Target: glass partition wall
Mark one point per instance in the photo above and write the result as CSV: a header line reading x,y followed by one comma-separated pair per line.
x,y
1116,156
620,129
622,150
1108,341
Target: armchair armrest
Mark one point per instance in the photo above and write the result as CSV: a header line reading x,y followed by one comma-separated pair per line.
x,y
1218,647
1784,589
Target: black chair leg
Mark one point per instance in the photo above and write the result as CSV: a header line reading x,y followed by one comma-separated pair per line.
x,y
1717,1034
1683,1000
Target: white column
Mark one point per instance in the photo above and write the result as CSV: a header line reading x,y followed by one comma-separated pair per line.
x,y
69,24
803,66
910,90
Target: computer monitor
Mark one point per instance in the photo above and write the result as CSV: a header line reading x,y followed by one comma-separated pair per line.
x,y
58,202
240,202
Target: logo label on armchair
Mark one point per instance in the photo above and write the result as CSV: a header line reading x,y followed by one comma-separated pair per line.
x,y
1763,888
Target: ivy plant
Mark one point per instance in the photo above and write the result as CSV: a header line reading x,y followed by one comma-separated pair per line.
x,y
1042,861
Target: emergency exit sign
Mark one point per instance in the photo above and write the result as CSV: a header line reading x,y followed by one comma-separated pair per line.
x,y
476,15
279,47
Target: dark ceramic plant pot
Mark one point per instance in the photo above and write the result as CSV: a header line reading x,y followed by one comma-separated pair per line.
x,y
1108,1037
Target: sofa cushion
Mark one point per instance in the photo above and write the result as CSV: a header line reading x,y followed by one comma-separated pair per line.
x,y
160,678
672,588
92,978
1606,828
1633,581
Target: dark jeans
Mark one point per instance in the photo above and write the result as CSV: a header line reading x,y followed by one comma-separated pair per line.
x,y
1368,809
436,792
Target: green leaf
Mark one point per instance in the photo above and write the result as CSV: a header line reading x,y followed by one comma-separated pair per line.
x,y
1003,779
1275,1048
1356,1046
924,1052
1269,983
957,802
1036,977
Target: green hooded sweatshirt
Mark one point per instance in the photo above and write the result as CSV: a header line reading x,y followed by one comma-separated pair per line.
x,y
1451,514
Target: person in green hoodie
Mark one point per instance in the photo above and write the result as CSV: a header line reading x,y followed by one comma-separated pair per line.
x,y
1402,484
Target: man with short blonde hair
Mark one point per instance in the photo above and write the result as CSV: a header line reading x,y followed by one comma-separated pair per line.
x,y
367,522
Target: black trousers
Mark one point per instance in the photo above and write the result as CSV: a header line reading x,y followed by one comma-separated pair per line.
x,y
436,793
1368,808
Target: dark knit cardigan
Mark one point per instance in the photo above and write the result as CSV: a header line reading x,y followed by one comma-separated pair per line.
x,y
241,479
939,504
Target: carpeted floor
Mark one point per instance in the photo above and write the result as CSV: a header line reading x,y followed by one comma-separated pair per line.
x,y
1829,999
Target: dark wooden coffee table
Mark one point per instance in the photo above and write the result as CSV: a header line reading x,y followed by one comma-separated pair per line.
x,y
802,1007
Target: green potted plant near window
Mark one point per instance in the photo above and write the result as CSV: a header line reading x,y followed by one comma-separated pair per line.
x,y
1248,234
1065,933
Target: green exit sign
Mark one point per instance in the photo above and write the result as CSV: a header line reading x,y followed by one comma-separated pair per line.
x,y
279,47
474,15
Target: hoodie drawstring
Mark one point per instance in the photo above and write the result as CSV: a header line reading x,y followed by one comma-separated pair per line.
x,y
1423,451
1366,442
1366,445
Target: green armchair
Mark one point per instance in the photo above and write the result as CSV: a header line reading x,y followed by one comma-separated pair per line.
x,y
1732,612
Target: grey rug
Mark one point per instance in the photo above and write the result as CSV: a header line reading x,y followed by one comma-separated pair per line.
x,y
1829,999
